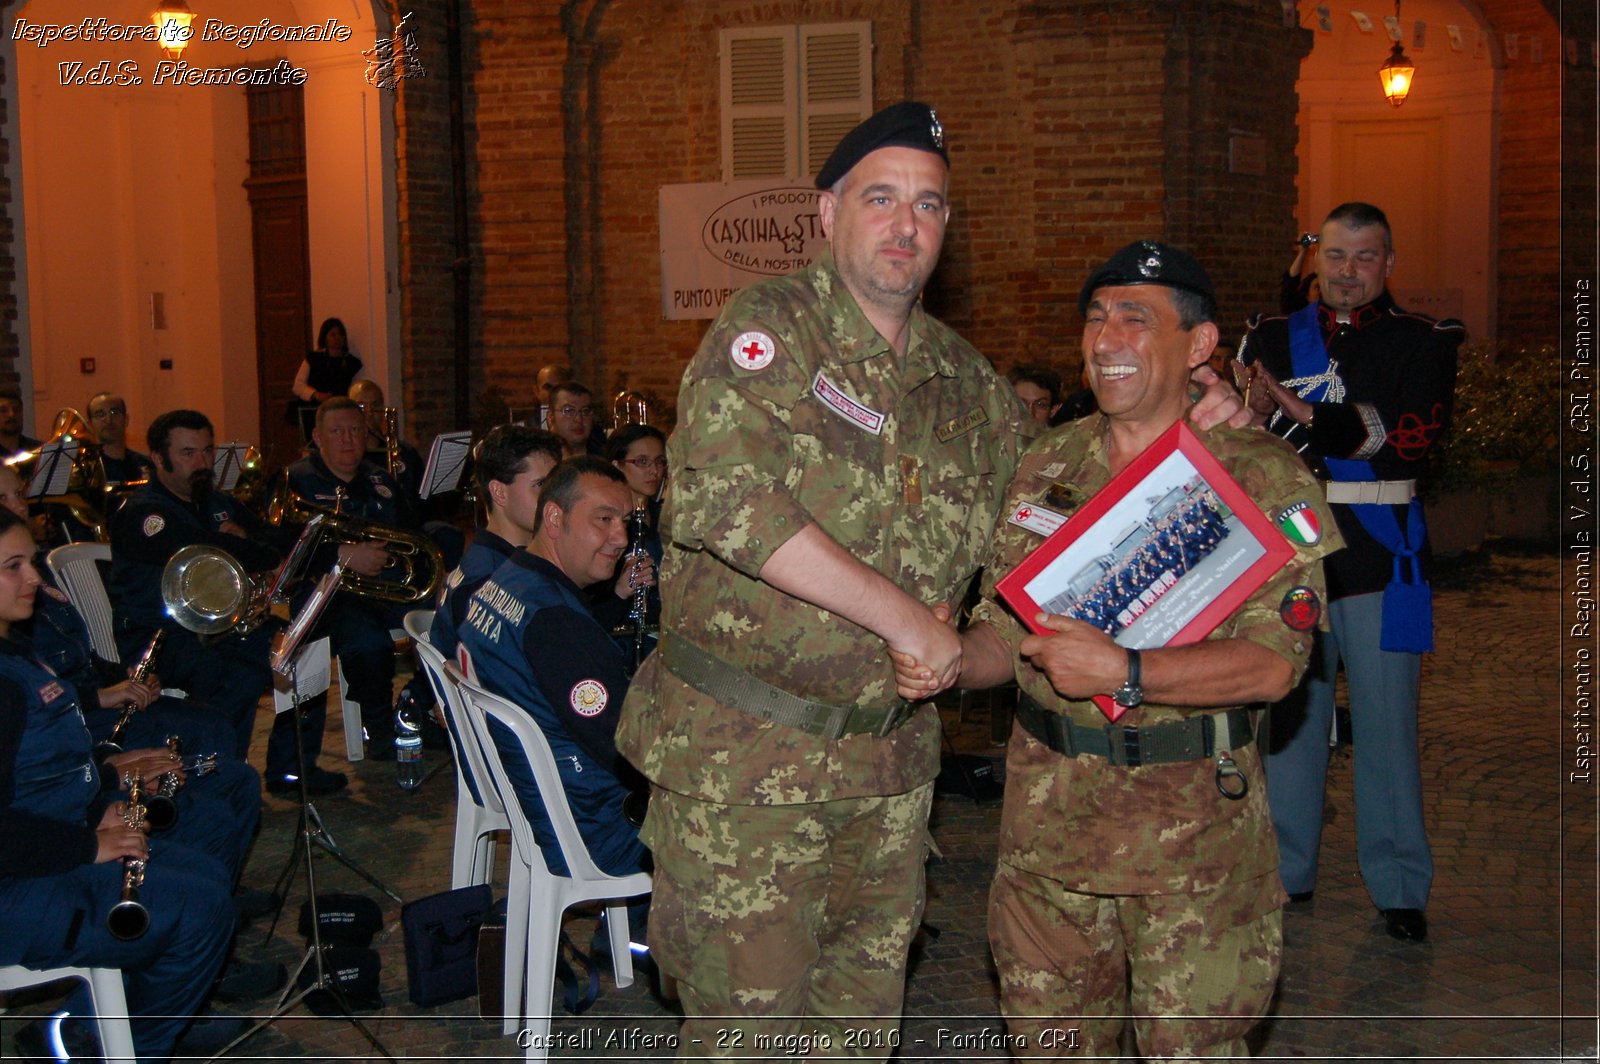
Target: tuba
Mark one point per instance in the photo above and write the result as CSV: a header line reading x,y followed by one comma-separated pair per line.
x,y
65,471
421,566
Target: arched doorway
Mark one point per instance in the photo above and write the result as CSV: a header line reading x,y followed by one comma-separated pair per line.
x,y
1430,165
133,240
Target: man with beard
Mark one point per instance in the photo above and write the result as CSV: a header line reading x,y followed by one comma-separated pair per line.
x,y
178,508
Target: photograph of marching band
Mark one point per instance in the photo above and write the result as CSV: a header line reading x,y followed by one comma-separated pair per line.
x,y
797,529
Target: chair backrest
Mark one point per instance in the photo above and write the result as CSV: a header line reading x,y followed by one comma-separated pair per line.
x,y
75,567
480,707
468,752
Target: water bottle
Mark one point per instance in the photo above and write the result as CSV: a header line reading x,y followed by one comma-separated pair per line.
x,y
407,745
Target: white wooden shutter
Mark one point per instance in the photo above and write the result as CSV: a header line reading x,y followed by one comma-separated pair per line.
x,y
835,86
760,99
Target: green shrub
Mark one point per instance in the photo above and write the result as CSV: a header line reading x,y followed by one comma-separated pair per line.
x,y
1506,422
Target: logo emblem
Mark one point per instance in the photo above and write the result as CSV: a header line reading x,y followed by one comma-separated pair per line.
x,y
753,351
1300,524
1300,609
588,698
1150,265
153,524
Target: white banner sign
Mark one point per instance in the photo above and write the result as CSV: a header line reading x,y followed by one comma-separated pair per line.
x,y
718,238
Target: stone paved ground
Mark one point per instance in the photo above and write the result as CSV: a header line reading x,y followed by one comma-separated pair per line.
x,y
1512,950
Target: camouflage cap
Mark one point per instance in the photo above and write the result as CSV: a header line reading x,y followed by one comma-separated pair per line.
x,y
1150,262
901,125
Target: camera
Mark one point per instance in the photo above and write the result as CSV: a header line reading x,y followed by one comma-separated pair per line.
x,y
1307,239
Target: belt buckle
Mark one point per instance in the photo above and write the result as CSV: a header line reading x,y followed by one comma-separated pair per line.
x,y
1130,747
893,719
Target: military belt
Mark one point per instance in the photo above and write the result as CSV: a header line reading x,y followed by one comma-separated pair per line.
x,y
734,687
1191,739
1359,492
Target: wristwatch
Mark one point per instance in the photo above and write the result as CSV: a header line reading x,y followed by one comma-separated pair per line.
x,y
1131,693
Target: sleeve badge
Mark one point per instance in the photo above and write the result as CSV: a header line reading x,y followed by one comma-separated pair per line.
x,y
1299,524
752,351
1300,609
153,524
588,698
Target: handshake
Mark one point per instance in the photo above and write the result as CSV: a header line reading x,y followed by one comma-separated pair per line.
x,y
927,657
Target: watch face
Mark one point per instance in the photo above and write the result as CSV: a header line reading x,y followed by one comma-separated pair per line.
x,y
1129,696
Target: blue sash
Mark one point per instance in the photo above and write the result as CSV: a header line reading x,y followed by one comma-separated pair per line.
x,y
1407,601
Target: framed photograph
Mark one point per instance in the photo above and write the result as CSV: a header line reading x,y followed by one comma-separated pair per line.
x,y
1158,557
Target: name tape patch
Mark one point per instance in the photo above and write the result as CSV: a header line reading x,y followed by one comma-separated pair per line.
x,y
834,398
1036,518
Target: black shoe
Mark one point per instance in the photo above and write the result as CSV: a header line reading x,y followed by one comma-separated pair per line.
x,y
207,1036
1302,897
1408,925
40,1039
319,781
249,981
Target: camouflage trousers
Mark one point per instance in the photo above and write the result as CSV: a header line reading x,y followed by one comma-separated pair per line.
x,y
781,921
1193,971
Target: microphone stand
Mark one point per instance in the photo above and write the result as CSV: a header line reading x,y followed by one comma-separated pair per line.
x,y
283,663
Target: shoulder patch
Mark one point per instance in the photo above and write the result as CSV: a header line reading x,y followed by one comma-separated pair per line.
x,y
1300,608
588,698
1300,524
55,593
153,524
752,351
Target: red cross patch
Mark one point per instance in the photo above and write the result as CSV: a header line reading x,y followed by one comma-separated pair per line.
x,y
752,351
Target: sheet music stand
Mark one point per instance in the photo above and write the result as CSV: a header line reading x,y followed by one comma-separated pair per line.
x,y
447,463
285,664
52,474
228,464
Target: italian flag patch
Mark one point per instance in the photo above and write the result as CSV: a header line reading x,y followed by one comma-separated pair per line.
x,y
1300,524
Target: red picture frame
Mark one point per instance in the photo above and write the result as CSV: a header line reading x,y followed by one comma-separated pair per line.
x,y
1160,556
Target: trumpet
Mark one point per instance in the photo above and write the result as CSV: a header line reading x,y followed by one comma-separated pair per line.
x,y
421,566
128,919
140,674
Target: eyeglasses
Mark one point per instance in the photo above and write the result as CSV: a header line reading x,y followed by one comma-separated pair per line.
x,y
106,413
1038,404
647,463
575,411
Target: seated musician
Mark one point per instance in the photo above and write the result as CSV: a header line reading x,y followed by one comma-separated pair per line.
x,y
337,477
12,439
108,417
409,465
63,835
640,454
572,418
528,636
178,508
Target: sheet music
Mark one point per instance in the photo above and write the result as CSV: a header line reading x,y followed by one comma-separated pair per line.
x,y
447,463
52,473
228,464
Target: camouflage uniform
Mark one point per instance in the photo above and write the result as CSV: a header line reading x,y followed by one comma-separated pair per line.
x,y
789,866
1104,867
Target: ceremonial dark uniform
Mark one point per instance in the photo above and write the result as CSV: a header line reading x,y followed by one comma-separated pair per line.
x,y
530,639
359,626
54,897
486,554
230,673
1108,866
131,466
1390,384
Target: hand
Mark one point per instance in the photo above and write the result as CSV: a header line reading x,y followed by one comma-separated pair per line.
x,y
369,558
1266,395
1219,403
120,694
233,528
1078,659
149,762
933,646
638,570
115,840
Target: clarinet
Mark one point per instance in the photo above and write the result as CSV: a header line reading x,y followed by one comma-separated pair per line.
x,y
128,919
142,669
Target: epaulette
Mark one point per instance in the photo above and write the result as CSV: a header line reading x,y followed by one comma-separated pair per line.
x,y
1447,324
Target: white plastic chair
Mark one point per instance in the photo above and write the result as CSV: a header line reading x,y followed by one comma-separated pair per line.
x,y
105,993
74,567
537,898
477,819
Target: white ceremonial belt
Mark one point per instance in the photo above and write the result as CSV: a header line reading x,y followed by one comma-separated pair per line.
x,y
1359,492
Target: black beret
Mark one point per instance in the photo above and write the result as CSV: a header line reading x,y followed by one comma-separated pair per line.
x,y
1149,262
900,125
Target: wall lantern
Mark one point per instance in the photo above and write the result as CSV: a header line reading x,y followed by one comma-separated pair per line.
x,y
1397,70
172,21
